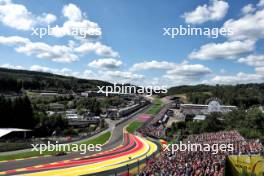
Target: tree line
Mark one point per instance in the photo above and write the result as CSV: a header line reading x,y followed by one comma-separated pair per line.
x,y
250,123
15,80
16,113
243,95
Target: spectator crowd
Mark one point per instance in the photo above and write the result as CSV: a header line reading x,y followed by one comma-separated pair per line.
x,y
156,128
201,163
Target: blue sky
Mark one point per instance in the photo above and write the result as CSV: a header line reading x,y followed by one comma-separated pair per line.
x,y
130,45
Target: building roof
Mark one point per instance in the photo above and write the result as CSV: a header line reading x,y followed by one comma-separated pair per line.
x,y
5,131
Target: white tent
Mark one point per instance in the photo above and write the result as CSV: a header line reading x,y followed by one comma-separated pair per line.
x,y
5,131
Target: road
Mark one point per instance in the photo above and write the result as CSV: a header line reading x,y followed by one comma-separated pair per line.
x,y
115,140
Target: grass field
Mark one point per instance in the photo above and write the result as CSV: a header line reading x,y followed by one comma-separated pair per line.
x,y
98,140
155,108
132,127
102,139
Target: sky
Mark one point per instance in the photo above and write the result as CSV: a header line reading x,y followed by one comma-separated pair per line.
x,y
137,41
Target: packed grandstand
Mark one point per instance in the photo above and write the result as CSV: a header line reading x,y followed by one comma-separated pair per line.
x,y
196,163
201,162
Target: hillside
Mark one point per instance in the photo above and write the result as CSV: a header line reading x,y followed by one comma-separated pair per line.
x,y
13,80
242,95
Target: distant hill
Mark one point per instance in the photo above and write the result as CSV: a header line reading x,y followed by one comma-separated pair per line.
x,y
13,80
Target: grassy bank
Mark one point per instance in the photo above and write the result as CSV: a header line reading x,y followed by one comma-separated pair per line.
x,y
132,127
98,140
155,108
102,139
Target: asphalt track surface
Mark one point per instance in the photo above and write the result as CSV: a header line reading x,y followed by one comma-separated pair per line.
x,y
116,141
132,151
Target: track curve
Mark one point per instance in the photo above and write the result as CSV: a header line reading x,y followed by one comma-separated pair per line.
x,y
131,151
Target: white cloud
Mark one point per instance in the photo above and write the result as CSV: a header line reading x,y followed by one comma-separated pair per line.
x,y
72,12
98,48
261,3
176,74
187,72
77,24
250,26
153,82
146,65
47,18
253,60
17,16
124,75
57,53
89,74
240,78
10,66
216,10
107,63
63,71
13,40
41,68
260,70
222,71
226,50
249,8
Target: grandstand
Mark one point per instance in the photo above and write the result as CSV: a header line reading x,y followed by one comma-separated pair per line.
x,y
206,162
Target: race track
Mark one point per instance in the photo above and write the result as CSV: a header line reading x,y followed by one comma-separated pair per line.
x,y
122,152
133,150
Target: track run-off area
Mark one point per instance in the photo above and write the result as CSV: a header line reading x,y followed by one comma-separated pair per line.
x,y
122,158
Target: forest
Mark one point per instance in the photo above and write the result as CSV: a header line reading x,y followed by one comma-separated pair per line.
x,y
241,95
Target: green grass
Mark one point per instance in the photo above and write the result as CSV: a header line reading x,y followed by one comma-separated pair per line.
x,y
23,155
98,140
155,108
132,127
